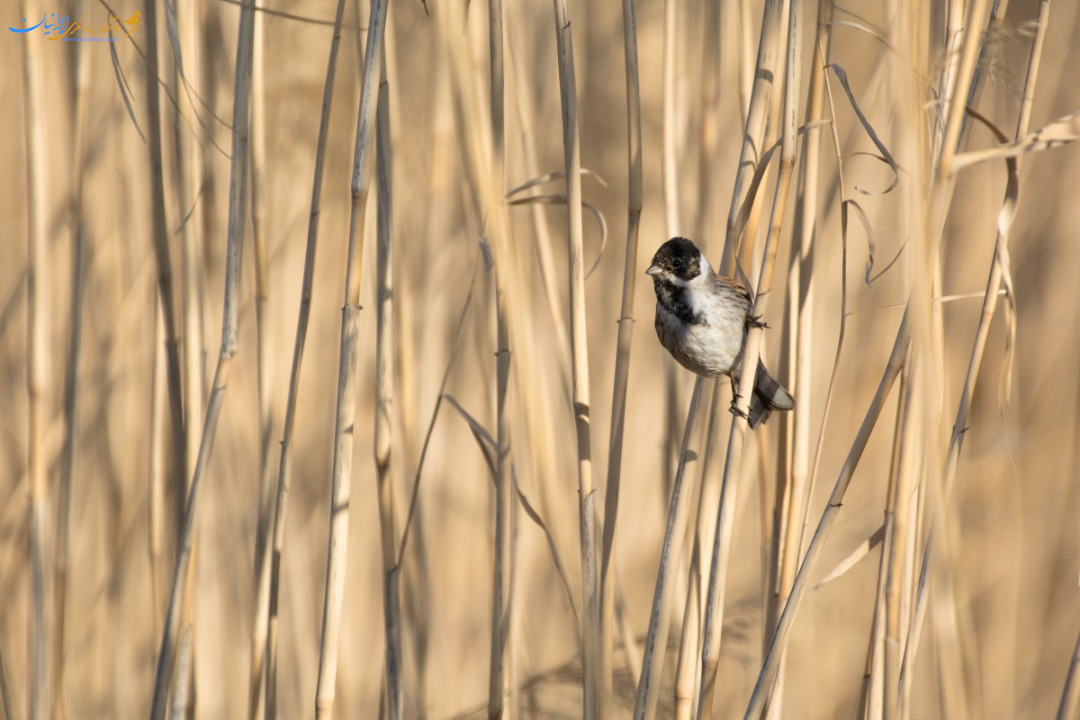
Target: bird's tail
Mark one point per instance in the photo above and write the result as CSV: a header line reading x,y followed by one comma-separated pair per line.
x,y
768,395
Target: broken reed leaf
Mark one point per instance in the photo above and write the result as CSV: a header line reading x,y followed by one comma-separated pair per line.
x,y
549,177
561,200
870,132
1060,132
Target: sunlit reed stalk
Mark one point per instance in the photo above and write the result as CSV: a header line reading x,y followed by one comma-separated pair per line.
x,y
229,346
652,663
501,575
754,128
998,269
591,630
1070,695
71,377
828,517
303,315
384,363
161,236
341,474
751,352
266,495
624,340
37,375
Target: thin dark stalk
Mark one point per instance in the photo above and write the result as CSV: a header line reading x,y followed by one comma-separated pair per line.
x,y
304,312
656,640
591,630
625,337
229,329
341,474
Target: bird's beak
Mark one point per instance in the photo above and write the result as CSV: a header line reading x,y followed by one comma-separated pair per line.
x,y
653,270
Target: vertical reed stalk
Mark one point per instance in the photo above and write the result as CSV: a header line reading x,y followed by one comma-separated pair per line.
x,y
229,332
71,376
37,371
652,663
843,481
591,630
261,564
754,130
341,477
624,340
501,574
384,364
161,254
284,467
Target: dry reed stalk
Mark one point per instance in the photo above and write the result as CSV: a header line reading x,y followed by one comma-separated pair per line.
x,y
164,262
261,565
159,572
753,140
1070,694
801,304
341,476
37,373
751,353
998,270
828,517
229,329
303,315
594,703
623,341
384,363
501,572
71,376
652,662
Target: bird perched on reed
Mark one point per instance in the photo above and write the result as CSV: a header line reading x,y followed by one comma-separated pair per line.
x,y
702,319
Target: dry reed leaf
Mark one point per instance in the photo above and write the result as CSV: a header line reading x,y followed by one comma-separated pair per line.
x,y
1005,218
487,446
856,555
1060,132
870,132
174,36
125,90
549,177
561,200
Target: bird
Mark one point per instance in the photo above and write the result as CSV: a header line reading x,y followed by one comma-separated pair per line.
x,y
702,319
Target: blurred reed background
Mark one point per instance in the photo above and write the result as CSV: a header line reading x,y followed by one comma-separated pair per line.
x,y
449,499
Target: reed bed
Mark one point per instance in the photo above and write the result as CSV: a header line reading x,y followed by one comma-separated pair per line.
x,y
420,503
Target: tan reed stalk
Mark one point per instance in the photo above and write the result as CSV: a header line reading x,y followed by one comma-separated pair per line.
x,y
751,353
828,517
998,270
652,662
5,688
591,630
161,255
341,476
526,113
501,574
1070,694
895,556
230,312
37,373
384,364
71,376
623,342
265,518
801,304
159,573
303,315
753,140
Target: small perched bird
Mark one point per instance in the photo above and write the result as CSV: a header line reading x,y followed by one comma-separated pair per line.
x,y
702,319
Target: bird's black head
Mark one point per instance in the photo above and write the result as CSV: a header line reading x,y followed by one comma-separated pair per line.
x,y
677,257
